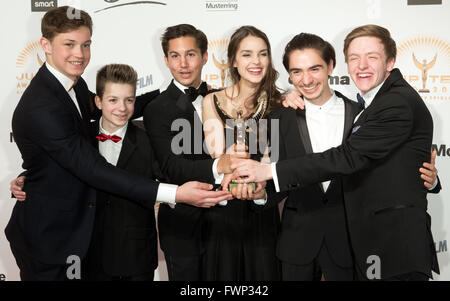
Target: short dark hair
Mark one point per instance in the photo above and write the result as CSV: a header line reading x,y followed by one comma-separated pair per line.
x,y
376,31
57,21
308,40
115,73
184,30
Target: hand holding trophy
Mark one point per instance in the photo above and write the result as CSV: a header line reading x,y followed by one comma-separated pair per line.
x,y
241,145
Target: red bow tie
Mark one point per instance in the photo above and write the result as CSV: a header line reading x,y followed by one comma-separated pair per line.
x,y
103,137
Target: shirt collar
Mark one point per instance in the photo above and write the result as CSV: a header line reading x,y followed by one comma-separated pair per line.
x,y
66,82
370,95
328,104
120,132
181,87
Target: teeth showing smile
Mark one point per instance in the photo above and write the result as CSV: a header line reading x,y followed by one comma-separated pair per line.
x,y
121,116
255,70
76,63
310,88
364,75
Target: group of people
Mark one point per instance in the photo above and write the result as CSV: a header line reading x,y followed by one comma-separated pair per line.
x,y
355,174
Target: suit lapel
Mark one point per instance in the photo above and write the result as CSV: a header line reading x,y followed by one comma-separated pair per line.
x,y
304,135
65,98
389,82
183,103
348,119
128,146
303,130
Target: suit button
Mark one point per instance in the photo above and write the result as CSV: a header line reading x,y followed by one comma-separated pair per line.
x,y
325,200
108,202
91,204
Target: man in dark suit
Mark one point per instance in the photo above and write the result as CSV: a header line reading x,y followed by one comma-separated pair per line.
x,y
174,124
385,201
124,239
50,126
313,240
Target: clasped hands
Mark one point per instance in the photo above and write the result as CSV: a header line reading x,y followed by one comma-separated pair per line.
x,y
234,154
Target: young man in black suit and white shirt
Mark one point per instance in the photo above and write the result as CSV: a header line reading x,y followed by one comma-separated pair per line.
x,y
313,240
124,239
177,113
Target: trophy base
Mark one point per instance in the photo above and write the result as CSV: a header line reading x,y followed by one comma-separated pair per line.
x,y
424,91
234,184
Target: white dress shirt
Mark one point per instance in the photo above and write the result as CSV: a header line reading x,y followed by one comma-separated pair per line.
x,y
368,98
325,125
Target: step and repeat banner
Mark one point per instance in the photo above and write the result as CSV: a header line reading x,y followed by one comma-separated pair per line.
x,y
129,32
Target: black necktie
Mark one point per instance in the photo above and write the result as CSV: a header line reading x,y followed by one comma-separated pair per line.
x,y
194,93
361,101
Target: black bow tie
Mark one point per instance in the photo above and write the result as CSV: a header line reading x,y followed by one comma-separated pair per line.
x,y
361,101
194,93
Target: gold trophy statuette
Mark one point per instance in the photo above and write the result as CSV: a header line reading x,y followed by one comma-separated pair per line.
x,y
240,139
223,67
424,67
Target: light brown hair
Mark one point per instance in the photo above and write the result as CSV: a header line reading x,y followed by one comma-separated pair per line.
x,y
376,31
115,73
58,20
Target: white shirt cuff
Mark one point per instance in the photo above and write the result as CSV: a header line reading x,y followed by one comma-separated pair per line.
x,y
434,185
273,166
166,194
217,177
261,202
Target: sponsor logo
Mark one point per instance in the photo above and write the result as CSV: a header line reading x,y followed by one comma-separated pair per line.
x,y
441,149
39,5
27,63
424,2
216,72
221,5
441,246
128,4
339,80
144,81
424,63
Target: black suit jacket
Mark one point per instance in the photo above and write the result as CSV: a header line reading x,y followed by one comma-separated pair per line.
x,y
311,215
124,241
63,168
179,228
385,199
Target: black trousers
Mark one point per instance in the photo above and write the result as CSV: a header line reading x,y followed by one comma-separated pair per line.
x,y
34,270
184,268
323,264
102,276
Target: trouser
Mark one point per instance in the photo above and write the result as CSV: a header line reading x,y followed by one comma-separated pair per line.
x,y
184,268
323,264
34,270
